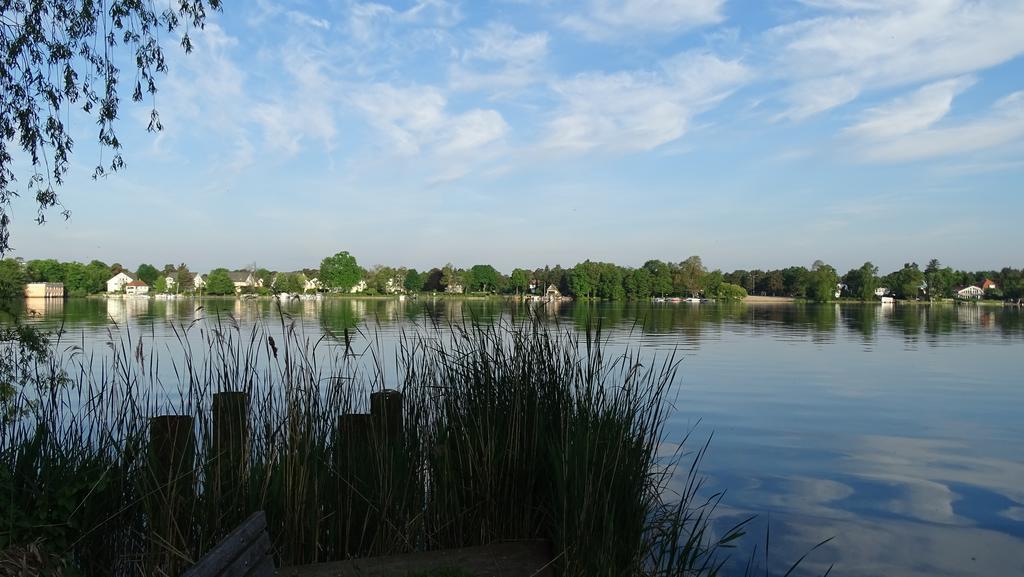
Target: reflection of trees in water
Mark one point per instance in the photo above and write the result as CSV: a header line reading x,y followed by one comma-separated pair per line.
x,y
863,319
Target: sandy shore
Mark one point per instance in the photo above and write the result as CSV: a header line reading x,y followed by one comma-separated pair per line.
x,y
767,300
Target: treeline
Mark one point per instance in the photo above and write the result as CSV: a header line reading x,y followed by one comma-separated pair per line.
x,y
589,279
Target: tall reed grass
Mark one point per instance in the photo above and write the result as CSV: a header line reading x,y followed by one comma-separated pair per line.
x,y
507,431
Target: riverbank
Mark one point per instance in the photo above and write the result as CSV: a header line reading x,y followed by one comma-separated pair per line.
x,y
762,300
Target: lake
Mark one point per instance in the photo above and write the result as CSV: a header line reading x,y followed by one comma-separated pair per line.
x,y
897,430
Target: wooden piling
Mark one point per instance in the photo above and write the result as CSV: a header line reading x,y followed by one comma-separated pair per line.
x,y
357,489
230,456
171,496
386,412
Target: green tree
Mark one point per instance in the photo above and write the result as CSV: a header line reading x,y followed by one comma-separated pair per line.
x,y
184,280
483,278
147,273
728,292
57,57
218,282
264,277
638,284
661,277
12,278
46,270
160,286
822,282
689,276
519,281
413,282
340,272
583,279
290,282
939,279
862,281
907,281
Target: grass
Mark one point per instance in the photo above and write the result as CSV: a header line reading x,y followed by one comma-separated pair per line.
x,y
505,431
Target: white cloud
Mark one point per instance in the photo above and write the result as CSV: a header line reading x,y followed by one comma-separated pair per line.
x,y
1003,124
415,118
918,111
306,111
367,19
857,45
608,19
640,110
500,58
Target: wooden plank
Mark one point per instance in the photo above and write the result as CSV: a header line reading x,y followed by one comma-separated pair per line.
x,y
508,559
245,565
233,548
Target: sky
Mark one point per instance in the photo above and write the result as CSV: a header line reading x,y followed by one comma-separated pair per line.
x,y
521,133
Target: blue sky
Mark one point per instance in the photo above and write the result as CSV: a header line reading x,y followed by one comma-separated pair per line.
x,y
523,133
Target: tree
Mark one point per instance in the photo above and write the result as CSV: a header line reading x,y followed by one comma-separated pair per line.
x,y
340,271
12,278
519,281
184,280
160,286
907,281
938,278
862,281
147,273
264,277
638,284
218,282
47,270
822,282
413,281
483,277
290,282
661,277
690,275
57,56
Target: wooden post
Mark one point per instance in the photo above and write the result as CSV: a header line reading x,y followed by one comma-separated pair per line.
x,y
172,455
230,454
357,491
386,411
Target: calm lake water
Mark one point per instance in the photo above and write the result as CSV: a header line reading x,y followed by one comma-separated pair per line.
x,y
896,430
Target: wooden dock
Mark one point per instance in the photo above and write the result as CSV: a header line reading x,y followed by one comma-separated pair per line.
x,y
508,559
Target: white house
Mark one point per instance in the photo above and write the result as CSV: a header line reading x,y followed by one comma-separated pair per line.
x,y
117,283
312,284
881,291
971,292
199,281
243,279
136,287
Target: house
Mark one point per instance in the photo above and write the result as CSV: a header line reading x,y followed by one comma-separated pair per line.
x,y
170,282
48,290
553,293
312,284
988,285
243,279
881,291
199,281
971,292
454,289
136,287
358,288
117,283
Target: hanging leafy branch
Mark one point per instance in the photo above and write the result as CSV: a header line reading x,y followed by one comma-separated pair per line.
x,y
58,55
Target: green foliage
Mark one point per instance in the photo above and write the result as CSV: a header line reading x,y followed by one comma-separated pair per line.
x,y
728,292
519,281
219,283
661,277
862,282
58,57
483,278
290,283
689,276
822,282
264,277
147,273
12,278
413,281
46,270
160,286
340,271
906,282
